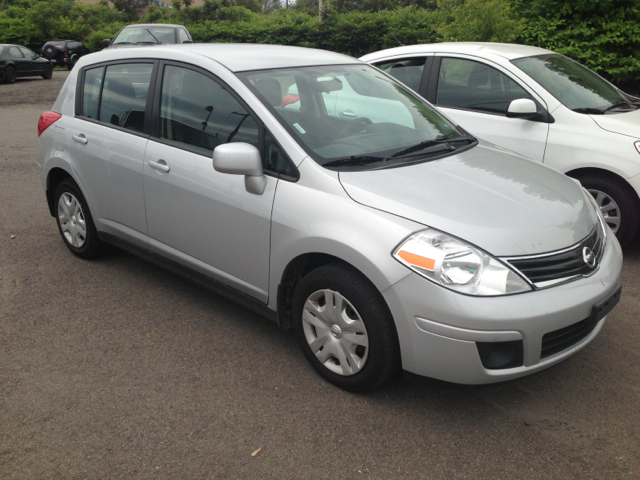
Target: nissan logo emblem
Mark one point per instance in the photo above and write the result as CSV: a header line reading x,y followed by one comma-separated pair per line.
x,y
589,257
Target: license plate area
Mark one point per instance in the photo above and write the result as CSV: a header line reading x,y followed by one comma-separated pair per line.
x,y
602,308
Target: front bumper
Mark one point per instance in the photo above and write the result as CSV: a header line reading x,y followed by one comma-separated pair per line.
x,y
438,329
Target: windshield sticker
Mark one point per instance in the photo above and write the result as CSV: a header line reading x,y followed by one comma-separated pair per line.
x,y
300,129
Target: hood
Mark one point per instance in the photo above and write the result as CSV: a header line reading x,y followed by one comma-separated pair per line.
x,y
627,123
505,204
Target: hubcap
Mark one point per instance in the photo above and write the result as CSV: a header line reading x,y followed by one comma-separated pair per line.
x,y
71,218
609,208
335,332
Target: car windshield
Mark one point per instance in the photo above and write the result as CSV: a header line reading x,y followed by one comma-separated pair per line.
x,y
574,85
138,35
349,115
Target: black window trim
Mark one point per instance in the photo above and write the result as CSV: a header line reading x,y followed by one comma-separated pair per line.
x,y
155,113
150,94
432,90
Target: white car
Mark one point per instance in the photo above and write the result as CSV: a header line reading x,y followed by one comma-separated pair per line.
x,y
539,104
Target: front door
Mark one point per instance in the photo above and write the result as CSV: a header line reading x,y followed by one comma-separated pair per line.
x,y
476,96
199,217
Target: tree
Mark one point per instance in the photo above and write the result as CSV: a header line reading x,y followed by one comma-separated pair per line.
x,y
269,6
177,4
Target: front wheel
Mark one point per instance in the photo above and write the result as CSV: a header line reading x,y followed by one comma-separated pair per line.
x,y
48,72
618,203
345,328
75,222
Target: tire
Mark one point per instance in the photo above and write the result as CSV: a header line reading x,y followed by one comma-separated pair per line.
x,y
48,72
619,204
73,62
10,75
356,350
75,222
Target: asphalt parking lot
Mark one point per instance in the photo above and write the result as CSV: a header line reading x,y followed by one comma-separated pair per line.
x,y
117,369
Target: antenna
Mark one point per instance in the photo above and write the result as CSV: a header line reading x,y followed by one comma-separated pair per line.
x,y
396,39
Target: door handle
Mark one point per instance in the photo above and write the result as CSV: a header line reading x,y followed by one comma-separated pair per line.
x,y
159,165
348,113
80,139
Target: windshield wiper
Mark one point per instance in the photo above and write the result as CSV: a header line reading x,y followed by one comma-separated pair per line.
x,y
589,110
619,104
154,37
124,43
444,142
146,43
354,160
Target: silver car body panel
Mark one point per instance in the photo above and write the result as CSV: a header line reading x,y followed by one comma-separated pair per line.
x,y
210,218
486,196
504,204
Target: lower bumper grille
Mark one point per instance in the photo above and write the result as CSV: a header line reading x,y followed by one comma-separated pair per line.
x,y
559,340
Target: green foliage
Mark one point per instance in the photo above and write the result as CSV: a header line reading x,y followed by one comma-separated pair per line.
x,y
604,35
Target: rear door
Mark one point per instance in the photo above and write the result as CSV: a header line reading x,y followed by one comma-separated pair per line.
x,y
21,63
108,141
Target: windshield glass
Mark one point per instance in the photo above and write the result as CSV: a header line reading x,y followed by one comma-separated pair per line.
x,y
353,114
145,35
575,86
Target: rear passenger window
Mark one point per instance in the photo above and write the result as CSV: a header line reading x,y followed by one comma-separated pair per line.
x,y
408,70
475,86
124,95
183,36
91,92
198,112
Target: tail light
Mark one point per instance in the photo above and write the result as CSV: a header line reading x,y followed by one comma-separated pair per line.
x,y
42,53
66,54
46,120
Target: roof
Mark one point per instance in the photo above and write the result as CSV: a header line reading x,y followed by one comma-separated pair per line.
x,y
235,57
509,51
147,25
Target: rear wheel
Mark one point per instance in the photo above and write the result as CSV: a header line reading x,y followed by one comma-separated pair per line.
x,y
345,328
619,204
48,72
75,222
10,75
73,62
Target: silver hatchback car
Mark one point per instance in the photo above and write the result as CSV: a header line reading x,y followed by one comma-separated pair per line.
x,y
391,240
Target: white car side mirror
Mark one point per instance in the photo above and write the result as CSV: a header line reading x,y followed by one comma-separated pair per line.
x,y
522,108
241,159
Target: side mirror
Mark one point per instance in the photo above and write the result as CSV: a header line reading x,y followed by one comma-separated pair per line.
x,y
524,108
241,159
106,42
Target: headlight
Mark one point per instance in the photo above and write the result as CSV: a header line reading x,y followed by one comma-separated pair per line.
x,y
602,225
455,264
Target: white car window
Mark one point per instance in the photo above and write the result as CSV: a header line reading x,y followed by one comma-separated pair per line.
x,y
475,86
407,70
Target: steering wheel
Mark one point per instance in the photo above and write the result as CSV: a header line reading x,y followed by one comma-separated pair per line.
x,y
355,126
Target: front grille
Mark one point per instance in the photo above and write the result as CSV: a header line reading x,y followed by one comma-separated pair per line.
x,y
549,269
559,340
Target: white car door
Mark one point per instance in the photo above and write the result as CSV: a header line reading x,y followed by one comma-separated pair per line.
x,y
198,217
476,95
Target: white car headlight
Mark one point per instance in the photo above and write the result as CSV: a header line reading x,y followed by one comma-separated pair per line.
x,y
455,264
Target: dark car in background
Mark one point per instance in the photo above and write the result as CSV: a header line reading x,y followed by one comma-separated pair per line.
x,y
18,61
150,34
64,52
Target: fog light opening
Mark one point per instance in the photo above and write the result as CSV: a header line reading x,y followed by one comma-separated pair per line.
x,y
501,355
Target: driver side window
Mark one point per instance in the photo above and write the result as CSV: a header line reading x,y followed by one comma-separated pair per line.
x,y
198,112
474,85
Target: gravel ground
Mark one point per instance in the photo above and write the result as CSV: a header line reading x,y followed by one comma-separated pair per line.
x,y
117,369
